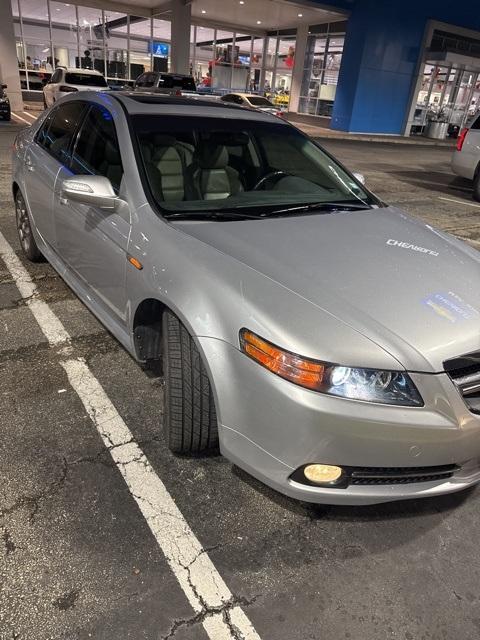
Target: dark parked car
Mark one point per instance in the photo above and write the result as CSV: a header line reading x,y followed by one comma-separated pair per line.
x,y
5,112
169,83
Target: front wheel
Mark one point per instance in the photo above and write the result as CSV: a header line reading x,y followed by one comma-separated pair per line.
x,y
190,419
476,185
24,229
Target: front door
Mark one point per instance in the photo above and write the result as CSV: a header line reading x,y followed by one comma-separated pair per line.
x,y
93,242
43,160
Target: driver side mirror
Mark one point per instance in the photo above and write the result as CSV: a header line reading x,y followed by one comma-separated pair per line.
x,y
95,191
359,176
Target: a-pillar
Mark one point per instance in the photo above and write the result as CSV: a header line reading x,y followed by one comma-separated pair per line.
x,y
298,67
181,23
9,74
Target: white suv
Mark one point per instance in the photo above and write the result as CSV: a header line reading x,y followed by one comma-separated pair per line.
x,y
65,81
466,159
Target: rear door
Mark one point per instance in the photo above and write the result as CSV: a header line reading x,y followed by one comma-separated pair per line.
x,y
91,241
49,90
43,159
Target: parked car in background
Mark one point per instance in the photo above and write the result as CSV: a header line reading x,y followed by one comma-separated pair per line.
x,y
466,157
166,83
5,112
327,342
65,81
253,101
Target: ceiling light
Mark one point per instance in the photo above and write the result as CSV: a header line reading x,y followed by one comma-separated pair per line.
x,y
259,22
203,11
300,15
242,2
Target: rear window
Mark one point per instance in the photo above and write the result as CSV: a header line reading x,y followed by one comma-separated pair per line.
x,y
85,80
258,101
184,82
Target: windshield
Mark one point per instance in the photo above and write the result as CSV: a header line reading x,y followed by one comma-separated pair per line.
x,y
209,164
85,80
258,101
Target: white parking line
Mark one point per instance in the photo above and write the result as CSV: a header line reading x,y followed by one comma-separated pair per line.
x,y
15,115
469,204
30,115
205,589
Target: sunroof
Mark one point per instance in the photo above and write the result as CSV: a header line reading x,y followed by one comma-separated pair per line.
x,y
146,98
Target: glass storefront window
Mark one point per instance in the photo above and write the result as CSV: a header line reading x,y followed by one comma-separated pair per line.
x,y
204,57
64,35
161,44
320,75
116,46
140,49
91,39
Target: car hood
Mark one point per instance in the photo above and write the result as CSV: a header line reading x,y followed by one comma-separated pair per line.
x,y
403,284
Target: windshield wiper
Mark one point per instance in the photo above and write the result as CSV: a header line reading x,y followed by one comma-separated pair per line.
x,y
211,215
319,206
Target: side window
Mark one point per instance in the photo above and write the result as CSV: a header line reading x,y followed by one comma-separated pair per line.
x,y
228,98
476,124
57,133
97,151
150,79
56,76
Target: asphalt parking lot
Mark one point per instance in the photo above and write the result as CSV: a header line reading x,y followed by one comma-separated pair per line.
x,y
79,557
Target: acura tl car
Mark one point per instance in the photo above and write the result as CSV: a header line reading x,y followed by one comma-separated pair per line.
x,y
327,343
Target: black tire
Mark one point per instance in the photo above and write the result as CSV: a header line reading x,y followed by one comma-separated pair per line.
x,y
190,419
476,185
24,229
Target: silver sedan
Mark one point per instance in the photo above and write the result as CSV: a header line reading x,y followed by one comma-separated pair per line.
x,y
327,343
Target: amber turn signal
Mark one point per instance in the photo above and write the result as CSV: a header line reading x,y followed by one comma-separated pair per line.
x,y
307,373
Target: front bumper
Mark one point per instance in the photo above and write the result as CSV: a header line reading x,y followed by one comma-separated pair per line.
x,y
270,428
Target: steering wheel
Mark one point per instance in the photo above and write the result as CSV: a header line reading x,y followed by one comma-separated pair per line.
x,y
273,174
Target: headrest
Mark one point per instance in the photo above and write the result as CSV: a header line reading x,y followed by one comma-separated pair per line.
x,y
212,156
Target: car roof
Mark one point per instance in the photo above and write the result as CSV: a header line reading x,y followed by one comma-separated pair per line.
x,y
87,72
245,95
144,103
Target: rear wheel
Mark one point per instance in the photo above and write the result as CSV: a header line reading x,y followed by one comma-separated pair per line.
x,y
190,419
24,229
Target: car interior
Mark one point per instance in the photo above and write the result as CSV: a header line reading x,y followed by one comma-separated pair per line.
x,y
200,165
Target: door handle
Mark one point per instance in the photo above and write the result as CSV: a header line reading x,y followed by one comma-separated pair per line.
x,y
64,201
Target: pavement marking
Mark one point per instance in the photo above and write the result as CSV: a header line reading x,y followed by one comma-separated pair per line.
x,y
469,204
15,115
30,115
213,603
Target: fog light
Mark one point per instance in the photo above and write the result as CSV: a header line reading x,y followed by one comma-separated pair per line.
x,y
322,473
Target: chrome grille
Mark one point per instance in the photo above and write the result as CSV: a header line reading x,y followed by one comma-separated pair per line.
x,y
465,373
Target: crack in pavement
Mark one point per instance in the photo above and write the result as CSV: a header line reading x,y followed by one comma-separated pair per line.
x,y
33,501
224,610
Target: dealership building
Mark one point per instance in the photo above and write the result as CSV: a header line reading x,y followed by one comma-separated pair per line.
x,y
363,66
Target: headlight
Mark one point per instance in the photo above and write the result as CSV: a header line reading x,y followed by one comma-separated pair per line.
x,y
370,385
4,99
